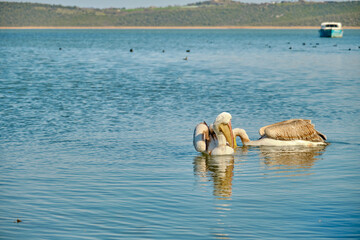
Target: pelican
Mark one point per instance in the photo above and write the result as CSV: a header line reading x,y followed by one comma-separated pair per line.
x,y
216,139
293,132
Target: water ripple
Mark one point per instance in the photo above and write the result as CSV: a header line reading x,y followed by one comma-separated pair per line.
x,y
96,141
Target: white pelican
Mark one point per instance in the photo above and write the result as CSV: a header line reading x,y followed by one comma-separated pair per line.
x,y
293,132
218,139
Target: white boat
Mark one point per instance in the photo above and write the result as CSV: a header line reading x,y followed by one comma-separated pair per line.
x,y
331,29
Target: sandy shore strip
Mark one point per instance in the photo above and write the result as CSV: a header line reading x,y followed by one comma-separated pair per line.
x,y
173,27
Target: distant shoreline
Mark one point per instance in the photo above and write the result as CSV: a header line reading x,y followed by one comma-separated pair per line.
x,y
175,27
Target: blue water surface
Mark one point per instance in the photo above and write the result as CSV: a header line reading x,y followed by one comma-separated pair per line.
x,y
96,141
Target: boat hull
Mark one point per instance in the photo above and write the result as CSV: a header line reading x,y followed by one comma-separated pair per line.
x,y
331,33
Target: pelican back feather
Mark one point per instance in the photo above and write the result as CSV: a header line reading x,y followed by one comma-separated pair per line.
x,y
294,129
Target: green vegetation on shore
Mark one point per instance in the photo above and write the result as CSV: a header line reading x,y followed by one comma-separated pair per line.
x,y
210,13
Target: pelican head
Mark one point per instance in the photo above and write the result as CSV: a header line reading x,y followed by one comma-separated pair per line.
x,y
222,127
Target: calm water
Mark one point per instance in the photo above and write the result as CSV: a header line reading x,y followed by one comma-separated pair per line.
x,y
96,141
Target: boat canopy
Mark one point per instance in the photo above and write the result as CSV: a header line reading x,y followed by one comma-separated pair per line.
x,y
330,25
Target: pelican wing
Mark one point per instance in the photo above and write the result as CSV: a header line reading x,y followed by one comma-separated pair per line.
x,y
294,129
201,137
262,130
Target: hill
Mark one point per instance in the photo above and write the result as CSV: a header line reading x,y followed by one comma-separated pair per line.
x,y
210,13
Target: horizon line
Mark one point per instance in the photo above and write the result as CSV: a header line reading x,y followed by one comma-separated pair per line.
x,y
169,27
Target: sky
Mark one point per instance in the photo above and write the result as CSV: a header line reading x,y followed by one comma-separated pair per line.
x,y
127,3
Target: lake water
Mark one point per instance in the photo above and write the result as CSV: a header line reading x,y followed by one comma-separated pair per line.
x,y
96,141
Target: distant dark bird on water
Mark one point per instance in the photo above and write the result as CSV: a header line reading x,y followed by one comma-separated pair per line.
x,y
163,50
60,48
131,50
17,221
290,48
304,44
188,50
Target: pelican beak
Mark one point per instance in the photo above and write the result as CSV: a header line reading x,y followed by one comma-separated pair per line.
x,y
226,129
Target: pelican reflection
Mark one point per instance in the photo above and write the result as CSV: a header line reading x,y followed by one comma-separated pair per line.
x,y
293,161
217,168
